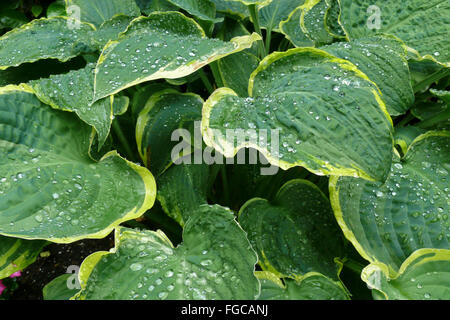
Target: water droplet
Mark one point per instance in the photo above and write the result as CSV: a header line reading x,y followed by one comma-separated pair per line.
x,y
136,266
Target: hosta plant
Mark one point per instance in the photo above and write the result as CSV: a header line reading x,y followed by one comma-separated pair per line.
x,y
235,149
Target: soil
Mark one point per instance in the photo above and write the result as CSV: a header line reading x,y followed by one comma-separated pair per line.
x,y
48,267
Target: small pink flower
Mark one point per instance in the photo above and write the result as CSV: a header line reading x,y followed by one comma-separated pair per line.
x,y
16,274
2,287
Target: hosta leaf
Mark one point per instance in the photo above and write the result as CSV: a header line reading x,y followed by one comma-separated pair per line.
x,y
56,41
405,136
110,30
321,107
150,49
231,29
149,6
50,188
231,7
444,95
144,93
73,92
312,286
428,109
120,105
182,189
307,25
255,2
422,25
165,112
214,261
17,254
236,70
332,19
292,30
313,21
57,289
277,11
423,276
290,233
256,179
377,57
202,9
56,9
388,222
99,11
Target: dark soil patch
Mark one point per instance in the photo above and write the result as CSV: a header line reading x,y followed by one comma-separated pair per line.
x,y
47,268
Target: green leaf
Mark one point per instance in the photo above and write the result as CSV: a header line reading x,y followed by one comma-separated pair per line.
x,y
252,2
182,189
332,19
202,9
256,179
231,29
405,136
292,30
143,93
36,10
377,57
165,112
312,286
56,9
236,70
73,92
290,233
271,15
388,222
17,254
50,188
99,11
232,8
444,95
110,30
307,25
214,261
404,19
151,49
120,105
56,41
57,289
424,73
435,115
321,107
149,6
313,21
423,276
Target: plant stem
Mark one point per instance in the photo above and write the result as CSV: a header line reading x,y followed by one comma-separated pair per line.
x,y
123,140
255,18
283,45
216,74
226,194
406,120
353,265
268,40
206,81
